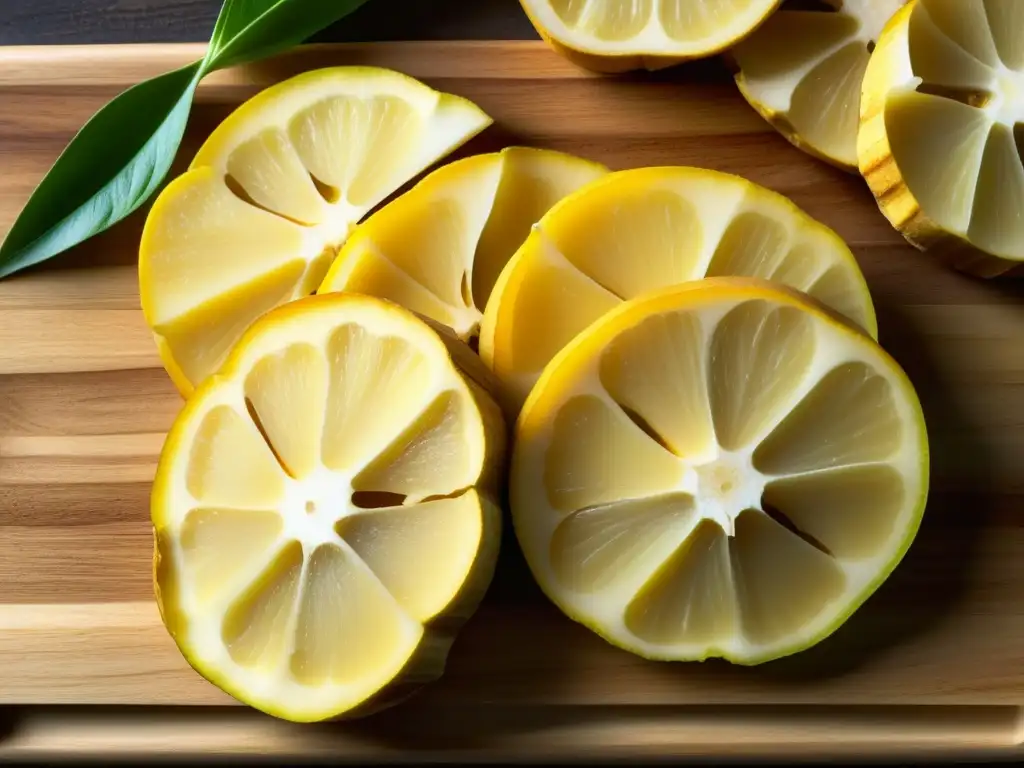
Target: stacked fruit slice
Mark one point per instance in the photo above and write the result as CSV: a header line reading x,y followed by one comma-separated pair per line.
x,y
273,192
638,230
439,248
942,134
322,503
720,469
932,119
714,458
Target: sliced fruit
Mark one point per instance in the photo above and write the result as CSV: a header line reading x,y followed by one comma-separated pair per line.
x,y
619,35
635,231
942,126
803,69
324,508
725,468
439,248
273,192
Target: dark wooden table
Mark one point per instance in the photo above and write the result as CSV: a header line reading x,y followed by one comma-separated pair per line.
x,y
47,22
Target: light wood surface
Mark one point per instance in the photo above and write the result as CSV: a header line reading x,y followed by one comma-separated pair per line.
x,y
84,405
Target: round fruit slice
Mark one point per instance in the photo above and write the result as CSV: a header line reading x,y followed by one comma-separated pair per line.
x,y
725,468
635,231
619,35
273,192
323,508
942,126
439,248
803,69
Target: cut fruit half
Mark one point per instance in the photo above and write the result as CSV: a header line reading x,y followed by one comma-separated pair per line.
x,y
639,230
324,508
725,468
273,192
619,35
803,70
439,248
942,130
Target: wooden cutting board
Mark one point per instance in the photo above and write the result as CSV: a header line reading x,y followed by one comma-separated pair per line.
x,y
933,663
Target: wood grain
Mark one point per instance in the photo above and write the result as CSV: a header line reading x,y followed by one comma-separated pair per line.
x,y
532,734
84,405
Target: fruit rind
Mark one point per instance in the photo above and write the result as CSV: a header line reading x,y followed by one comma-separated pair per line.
x,y
889,65
875,160
294,93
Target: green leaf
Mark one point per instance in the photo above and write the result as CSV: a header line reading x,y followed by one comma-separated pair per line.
x,y
121,156
248,30
109,169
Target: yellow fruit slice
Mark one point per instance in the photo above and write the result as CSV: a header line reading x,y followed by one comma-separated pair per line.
x,y
639,230
941,130
725,468
273,192
803,69
324,508
439,248
619,35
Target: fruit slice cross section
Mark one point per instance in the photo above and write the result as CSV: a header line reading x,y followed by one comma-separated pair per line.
x,y
802,71
439,248
272,194
942,127
724,468
638,230
617,35
324,508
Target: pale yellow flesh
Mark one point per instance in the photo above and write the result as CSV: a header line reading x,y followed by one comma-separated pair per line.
x,y
663,28
316,506
635,231
802,70
720,469
439,248
271,195
950,87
